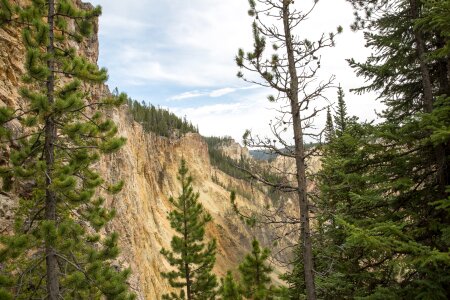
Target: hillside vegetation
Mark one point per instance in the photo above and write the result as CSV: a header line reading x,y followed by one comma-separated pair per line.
x,y
159,120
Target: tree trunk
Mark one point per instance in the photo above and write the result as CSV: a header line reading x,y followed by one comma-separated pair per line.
x,y
187,271
305,232
439,152
425,73
188,281
49,149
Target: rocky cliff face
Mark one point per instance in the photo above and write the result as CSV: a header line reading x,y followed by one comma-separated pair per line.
x,y
234,150
148,164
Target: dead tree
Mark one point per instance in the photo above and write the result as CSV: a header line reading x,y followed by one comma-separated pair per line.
x,y
291,72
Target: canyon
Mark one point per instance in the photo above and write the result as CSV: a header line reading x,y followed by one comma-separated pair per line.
x,y
148,163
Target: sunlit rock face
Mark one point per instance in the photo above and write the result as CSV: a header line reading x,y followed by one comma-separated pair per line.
x,y
234,150
148,164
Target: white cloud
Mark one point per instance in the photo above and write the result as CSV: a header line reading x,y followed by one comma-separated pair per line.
x,y
186,95
232,119
190,46
194,42
221,92
251,87
212,93
114,24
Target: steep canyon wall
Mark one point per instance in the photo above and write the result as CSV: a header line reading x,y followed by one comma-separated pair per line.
x,y
148,164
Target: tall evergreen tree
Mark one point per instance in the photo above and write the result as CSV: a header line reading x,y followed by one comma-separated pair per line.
x,y
190,255
339,180
329,127
390,236
346,192
57,251
340,118
255,273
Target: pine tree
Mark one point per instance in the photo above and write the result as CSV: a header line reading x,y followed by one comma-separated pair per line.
x,y
229,289
57,251
190,255
346,196
255,273
158,120
391,226
340,118
340,178
329,128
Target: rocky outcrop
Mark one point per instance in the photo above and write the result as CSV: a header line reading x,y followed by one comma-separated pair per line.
x,y
234,150
11,65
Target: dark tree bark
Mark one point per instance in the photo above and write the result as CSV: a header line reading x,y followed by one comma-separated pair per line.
x,y
290,72
440,153
187,271
305,231
49,151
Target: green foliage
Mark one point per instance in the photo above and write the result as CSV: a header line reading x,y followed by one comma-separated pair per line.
x,y
350,195
192,258
382,219
255,273
255,282
438,122
435,20
368,238
250,220
341,118
295,278
6,11
158,120
229,289
60,213
329,128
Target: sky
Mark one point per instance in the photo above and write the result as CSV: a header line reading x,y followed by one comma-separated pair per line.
x,y
179,55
